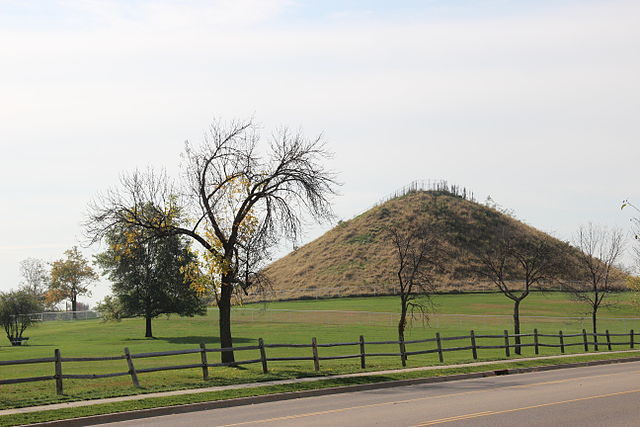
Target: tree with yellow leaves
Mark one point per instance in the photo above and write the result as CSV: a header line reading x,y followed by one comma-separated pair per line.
x,y
236,200
70,278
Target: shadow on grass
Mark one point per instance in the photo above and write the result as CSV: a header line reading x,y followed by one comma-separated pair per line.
x,y
207,339
26,346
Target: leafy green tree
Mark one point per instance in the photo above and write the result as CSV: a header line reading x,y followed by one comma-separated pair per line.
x,y
148,275
15,308
70,278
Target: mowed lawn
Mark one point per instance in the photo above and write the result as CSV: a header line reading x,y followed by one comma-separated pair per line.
x,y
493,303
284,322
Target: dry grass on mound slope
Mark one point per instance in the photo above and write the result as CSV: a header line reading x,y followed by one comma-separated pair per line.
x,y
357,258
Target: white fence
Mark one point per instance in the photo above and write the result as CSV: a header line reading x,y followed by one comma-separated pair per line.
x,y
49,316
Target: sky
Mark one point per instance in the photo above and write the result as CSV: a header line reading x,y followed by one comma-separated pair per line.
x,y
533,103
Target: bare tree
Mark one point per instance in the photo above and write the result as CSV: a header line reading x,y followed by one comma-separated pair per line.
x,y
418,258
35,277
234,200
634,220
633,281
595,273
516,264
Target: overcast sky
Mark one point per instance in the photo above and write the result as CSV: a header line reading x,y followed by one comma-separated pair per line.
x,y
535,103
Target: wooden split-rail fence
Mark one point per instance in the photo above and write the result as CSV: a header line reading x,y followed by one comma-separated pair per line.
x,y
586,339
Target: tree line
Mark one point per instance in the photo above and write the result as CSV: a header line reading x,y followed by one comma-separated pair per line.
x,y
42,288
148,279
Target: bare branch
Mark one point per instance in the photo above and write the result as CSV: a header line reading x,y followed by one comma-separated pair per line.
x,y
233,200
596,275
517,262
418,258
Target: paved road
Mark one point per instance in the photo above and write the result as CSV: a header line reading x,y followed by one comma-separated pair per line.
x,y
591,396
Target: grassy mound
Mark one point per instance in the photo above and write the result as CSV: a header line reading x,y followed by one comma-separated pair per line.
x,y
356,257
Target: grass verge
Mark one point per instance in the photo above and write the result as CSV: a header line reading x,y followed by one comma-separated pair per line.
x,y
155,402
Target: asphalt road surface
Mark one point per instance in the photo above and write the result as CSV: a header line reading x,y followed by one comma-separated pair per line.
x,y
591,396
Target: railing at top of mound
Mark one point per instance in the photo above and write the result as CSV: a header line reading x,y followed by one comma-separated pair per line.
x,y
440,185
437,345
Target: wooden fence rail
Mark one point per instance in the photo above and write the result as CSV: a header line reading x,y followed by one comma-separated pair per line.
x,y
469,343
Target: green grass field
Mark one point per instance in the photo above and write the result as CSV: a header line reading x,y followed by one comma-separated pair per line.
x,y
284,322
536,304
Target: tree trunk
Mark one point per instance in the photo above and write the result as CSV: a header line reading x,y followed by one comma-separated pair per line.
x,y
594,325
401,326
148,333
74,305
402,323
516,325
224,308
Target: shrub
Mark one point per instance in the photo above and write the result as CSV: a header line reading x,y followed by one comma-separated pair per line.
x,y
15,308
110,308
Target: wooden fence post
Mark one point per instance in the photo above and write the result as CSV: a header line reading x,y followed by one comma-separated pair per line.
x,y
584,340
263,356
439,344
561,342
631,340
362,353
507,351
474,349
132,369
403,355
203,358
314,349
536,343
58,371
608,340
